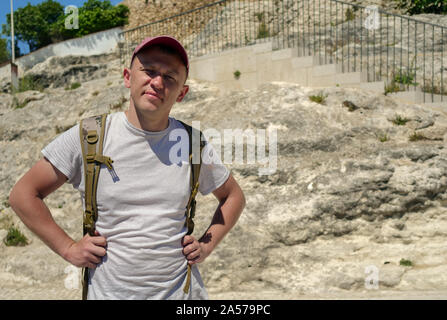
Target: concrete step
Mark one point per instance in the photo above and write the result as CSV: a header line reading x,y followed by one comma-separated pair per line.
x,y
292,69
322,81
284,54
433,98
299,75
326,70
323,75
350,78
377,86
371,86
419,97
262,47
304,62
248,80
259,64
442,105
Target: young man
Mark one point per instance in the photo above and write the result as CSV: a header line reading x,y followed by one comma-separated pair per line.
x,y
140,249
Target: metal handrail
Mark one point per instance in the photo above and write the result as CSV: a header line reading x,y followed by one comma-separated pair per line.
x,y
402,52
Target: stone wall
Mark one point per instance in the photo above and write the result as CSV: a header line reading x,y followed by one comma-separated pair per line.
x,y
92,44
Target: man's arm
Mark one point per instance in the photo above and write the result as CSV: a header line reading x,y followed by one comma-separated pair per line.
x,y
26,199
231,203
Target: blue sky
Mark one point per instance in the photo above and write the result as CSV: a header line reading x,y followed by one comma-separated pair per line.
x,y
5,8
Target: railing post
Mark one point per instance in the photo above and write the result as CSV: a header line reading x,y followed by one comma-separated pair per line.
x,y
415,52
336,31
325,32
424,65
442,63
367,54
408,50
433,64
387,44
394,46
401,46
304,42
381,44
342,39
349,38
374,53
361,41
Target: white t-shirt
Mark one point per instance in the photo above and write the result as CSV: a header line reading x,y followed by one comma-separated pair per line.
x,y
141,209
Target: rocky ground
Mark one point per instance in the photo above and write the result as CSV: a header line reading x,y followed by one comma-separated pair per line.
x,y
352,195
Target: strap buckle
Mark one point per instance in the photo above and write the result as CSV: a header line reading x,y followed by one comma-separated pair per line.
x,y
90,158
92,136
88,219
100,159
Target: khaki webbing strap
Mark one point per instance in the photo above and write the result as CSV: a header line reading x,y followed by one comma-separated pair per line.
x,y
190,212
91,132
90,203
194,184
84,283
188,280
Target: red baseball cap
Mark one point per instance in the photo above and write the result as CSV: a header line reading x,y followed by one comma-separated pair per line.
x,y
165,40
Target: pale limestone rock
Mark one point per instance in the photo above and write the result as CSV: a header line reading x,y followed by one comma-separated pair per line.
x,y
339,201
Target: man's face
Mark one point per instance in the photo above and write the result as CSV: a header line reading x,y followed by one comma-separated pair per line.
x,y
156,81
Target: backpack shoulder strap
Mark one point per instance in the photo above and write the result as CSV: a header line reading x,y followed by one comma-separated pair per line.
x,y
91,132
92,137
195,140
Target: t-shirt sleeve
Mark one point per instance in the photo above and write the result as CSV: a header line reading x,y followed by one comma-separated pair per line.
x,y
65,153
213,172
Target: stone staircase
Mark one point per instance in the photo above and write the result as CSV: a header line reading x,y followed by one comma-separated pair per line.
x,y
260,63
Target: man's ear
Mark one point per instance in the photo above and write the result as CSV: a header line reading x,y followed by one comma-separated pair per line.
x,y
183,93
126,74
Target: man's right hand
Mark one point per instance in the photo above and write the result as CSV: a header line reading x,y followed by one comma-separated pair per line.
x,y
87,252
26,199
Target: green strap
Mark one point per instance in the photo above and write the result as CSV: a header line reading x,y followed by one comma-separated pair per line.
x,y
194,184
91,132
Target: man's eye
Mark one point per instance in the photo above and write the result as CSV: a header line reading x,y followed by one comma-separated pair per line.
x,y
151,73
169,78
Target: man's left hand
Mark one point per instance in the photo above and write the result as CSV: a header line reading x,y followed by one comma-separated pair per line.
x,y
193,250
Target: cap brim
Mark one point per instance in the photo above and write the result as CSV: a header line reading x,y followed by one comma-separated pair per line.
x,y
165,40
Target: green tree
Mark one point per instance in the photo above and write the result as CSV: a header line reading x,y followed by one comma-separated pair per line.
x,y
94,16
4,53
32,23
424,6
5,50
42,24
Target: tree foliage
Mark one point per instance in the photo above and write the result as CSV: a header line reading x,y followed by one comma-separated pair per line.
x,y
94,16
42,24
424,6
32,24
5,50
4,53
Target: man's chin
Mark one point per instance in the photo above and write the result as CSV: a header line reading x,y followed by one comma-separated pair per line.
x,y
147,107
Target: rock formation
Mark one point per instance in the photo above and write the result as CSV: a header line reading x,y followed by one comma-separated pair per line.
x,y
359,185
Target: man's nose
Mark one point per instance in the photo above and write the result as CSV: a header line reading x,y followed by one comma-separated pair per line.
x,y
157,81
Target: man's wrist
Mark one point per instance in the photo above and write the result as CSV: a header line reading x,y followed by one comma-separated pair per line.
x,y
206,248
65,252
